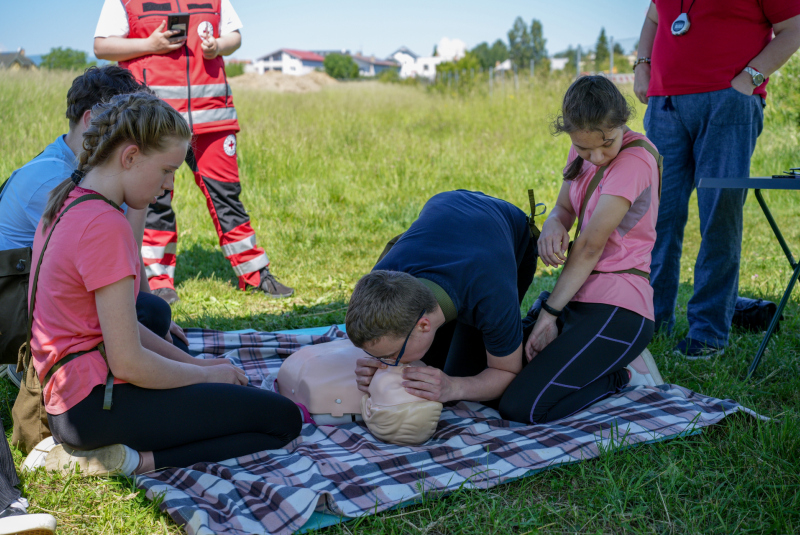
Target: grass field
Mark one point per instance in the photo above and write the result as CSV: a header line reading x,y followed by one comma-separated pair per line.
x,y
330,176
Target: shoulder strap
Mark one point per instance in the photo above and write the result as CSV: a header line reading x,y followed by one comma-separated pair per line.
x,y
599,175
79,200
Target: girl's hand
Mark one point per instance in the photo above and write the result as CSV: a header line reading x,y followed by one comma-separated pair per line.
x,y
176,331
210,47
225,373
544,332
163,42
553,243
212,362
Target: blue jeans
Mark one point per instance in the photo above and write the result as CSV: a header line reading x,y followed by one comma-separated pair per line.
x,y
702,135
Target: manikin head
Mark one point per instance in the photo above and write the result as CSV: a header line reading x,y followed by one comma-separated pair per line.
x,y
594,114
391,312
395,416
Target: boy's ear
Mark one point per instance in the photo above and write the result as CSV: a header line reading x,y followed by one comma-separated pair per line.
x,y
86,118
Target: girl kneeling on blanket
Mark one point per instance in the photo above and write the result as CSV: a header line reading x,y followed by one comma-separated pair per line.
x,y
599,317
169,409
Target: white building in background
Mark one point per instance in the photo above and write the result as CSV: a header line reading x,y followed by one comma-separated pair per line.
x,y
287,61
558,64
414,66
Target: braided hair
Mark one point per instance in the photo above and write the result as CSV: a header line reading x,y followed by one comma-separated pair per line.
x,y
590,103
140,118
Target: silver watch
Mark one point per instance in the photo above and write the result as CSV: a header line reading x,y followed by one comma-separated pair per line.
x,y
758,78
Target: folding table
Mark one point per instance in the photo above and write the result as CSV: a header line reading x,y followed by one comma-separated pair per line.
x,y
757,184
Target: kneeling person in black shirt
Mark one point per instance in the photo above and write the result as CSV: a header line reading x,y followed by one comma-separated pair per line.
x,y
449,292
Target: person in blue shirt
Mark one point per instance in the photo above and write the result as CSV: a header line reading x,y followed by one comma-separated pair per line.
x,y
24,195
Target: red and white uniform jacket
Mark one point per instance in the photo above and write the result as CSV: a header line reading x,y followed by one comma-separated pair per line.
x,y
193,85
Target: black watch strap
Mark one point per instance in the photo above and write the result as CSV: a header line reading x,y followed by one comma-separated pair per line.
x,y
550,310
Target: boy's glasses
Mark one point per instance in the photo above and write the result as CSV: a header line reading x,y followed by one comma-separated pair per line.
x,y
402,349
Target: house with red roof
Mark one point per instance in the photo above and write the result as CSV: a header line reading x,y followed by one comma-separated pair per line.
x,y
288,61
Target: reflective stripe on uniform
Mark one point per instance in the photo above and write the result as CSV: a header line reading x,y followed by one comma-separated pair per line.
x,y
230,249
250,266
149,251
210,116
181,92
155,270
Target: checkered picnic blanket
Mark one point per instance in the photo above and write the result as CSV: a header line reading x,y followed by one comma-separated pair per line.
x,y
329,474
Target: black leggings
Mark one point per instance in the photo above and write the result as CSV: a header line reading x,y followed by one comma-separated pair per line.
x,y
582,365
155,314
207,422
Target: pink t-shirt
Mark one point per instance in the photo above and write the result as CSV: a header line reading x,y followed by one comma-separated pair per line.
x,y
92,246
633,174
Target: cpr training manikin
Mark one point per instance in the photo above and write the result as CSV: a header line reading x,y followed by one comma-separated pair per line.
x,y
322,377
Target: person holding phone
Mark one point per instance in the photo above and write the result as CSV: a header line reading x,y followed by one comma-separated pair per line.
x,y
186,70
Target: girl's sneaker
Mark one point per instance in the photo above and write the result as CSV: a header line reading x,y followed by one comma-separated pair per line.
x,y
38,454
114,460
644,371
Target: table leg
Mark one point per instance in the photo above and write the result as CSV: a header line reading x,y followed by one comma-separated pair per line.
x,y
785,299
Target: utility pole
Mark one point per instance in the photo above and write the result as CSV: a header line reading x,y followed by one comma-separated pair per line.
x,y
578,61
611,56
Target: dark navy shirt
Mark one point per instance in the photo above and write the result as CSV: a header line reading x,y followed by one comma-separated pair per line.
x,y
471,245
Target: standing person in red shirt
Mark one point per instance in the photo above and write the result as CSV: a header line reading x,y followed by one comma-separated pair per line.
x,y
702,71
189,73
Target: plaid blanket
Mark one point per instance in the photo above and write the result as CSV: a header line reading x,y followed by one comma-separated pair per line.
x,y
329,474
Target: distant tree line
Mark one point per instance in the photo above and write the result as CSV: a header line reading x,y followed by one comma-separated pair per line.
x,y
66,59
527,42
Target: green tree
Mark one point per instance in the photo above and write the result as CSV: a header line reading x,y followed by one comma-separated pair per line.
x,y
520,44
538,42
66,59
601,51
618,51
340,67
489,56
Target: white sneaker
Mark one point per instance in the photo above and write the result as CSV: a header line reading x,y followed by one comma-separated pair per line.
x,y
644,371
15,521
37,456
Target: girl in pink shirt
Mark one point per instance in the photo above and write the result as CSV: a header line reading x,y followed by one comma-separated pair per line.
x,y
168,409
599,317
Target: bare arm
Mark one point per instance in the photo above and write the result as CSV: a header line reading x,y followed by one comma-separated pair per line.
x,y
583,258
115,48
433,384
646,40
131,362
554,239
136,218
772,56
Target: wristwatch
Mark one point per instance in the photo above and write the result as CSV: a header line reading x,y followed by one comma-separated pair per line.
x,y
758,78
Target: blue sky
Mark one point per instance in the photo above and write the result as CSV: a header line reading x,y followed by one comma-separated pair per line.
x,y
373,27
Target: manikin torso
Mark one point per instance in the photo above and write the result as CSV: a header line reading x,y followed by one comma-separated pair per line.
x,y
322,377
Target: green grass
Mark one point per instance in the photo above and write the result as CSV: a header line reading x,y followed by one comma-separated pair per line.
x,y
329,177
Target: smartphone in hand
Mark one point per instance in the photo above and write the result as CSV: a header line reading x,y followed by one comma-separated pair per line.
x,y
178,22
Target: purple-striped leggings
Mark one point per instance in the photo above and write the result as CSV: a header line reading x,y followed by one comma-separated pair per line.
x,y
582,365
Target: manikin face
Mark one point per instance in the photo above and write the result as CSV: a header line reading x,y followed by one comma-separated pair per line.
x,y
598,147
149,175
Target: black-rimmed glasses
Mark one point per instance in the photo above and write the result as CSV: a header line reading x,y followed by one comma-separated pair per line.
x,y
402,349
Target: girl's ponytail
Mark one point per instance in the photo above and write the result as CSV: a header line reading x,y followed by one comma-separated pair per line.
x,y
140,118
590,103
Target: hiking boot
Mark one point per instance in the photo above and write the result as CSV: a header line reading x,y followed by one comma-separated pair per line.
x,y
38,454
167,294
105,461
696,350
644,371
17,521
271,287
10,371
